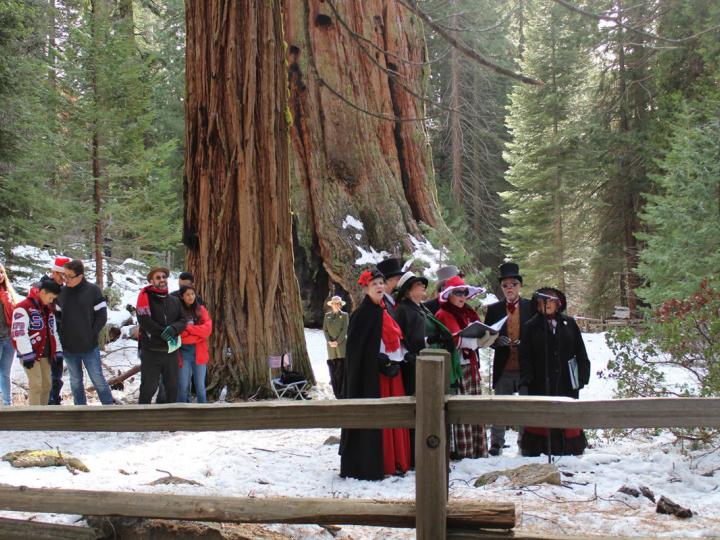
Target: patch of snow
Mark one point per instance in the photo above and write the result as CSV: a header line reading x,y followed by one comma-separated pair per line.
x,y
370,256
429,256
353,222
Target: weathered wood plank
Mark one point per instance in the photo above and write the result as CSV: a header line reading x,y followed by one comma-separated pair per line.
x,y
430,469
564,412
22,529
348,413
515,535
461,514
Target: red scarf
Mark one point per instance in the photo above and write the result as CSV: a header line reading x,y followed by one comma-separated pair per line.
x,y
143,301
391,333
465,316
512,307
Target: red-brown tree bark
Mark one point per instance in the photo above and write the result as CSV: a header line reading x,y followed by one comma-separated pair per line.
x,y
345,58
237,191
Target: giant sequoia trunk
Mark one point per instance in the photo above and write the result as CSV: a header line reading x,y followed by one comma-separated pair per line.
x,y
237,200
359,144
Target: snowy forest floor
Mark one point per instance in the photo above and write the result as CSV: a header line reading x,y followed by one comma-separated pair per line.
x,y
299,463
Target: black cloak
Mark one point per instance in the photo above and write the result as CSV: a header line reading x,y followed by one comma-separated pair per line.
x,y
412,320
361,450
563,345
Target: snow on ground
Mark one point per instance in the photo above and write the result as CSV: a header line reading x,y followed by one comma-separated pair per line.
x,y
298,463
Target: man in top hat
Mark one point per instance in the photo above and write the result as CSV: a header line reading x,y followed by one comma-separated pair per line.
x,y
335,327
443,274
506,366
57,274
161,321
392,270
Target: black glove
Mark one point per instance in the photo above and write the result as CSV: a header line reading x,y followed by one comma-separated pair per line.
x,y
410,357
28,363
502,341
169,333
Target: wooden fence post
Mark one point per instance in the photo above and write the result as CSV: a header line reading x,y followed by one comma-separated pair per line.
x,y
430,448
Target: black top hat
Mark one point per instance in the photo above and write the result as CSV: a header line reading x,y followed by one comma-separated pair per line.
x,y
509,270
391,267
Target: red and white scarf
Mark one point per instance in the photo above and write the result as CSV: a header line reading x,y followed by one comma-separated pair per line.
x,y
143,301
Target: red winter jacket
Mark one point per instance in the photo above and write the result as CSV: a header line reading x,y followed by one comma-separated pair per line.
x,y
8,306
32,325
197,334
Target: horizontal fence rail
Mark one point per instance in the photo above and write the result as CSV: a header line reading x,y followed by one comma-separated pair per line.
x,y
368,414
572,413
346,413
465,514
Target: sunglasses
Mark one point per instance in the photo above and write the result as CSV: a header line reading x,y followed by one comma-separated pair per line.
x,y
461,292
510,285
159,276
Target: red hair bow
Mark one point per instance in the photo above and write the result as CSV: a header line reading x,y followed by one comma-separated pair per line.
x,y
365,278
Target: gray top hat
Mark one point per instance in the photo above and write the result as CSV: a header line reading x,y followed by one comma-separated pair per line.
x,y
446,272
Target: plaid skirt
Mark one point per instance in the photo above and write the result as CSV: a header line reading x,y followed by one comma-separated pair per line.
x,y
468,440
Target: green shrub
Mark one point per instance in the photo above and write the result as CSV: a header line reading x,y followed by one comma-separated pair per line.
x,y
682,336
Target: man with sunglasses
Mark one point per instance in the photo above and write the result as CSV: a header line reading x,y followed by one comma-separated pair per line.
x,y
506,365
161,320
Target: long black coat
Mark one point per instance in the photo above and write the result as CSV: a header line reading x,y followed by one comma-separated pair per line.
x,y
561,346
495,312
412,320
361,450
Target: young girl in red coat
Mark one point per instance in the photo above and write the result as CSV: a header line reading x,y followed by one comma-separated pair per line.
x,y
194,352
468,440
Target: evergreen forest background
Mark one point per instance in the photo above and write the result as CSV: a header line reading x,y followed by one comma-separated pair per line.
x,y
603,181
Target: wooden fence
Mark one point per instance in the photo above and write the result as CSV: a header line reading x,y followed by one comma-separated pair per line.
x,y
432,514
590,325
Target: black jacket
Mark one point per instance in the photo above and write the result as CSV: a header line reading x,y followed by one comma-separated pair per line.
x,y
565,343
412,320
495,312
165,310
362,449
432,305
82,312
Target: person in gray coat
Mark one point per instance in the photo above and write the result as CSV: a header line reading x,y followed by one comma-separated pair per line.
x,y
335,327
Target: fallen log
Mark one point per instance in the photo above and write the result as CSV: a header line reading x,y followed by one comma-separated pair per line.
x,y
461,514
117,379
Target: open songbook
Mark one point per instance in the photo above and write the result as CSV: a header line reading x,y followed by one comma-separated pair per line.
x,y
476,334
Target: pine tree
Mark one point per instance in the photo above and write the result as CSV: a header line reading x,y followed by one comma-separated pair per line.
x,y
549,228
683,217
469,137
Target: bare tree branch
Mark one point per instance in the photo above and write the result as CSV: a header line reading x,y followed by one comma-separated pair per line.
x,y
467,51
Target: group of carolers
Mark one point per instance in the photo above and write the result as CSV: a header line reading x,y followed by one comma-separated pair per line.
x,y
539,350
61,320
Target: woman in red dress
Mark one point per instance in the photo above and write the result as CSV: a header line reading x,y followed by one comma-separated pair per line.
x,y
373,358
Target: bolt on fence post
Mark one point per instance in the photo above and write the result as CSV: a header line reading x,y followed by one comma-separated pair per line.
x,y
430,447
